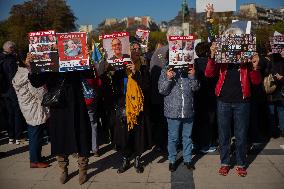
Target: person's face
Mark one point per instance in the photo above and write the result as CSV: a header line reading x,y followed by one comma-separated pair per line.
x,y
50,37
36,39
116,46
136,47
71,45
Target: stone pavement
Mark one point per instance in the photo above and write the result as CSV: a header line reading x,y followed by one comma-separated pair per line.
x,y
266,171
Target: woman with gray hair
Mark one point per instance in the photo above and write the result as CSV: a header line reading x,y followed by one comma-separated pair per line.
x,y
233,97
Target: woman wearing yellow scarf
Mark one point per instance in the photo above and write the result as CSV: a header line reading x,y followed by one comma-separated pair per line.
x,y
131,132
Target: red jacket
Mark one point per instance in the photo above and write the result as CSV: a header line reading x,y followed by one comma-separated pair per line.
x,y
246,75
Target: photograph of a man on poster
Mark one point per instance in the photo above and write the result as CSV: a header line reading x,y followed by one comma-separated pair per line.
x,y
116,47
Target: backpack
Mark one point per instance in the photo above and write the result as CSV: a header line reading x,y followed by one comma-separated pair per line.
x,y
269,84
4,84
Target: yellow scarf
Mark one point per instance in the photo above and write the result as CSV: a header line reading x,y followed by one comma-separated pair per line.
x,y
134,102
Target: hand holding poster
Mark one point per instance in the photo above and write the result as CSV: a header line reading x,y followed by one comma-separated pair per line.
x,y
235,48
181,51
219,5
117,48
277,44
42,46
143,36
72,48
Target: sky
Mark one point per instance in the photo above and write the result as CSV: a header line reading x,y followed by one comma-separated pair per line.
x,y
95,11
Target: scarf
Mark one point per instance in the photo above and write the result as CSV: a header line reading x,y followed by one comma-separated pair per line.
x,y
134,102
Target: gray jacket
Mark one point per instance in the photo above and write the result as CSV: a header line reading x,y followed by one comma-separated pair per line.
x,y
178,95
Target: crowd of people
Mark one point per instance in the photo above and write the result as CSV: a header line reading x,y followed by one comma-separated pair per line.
x,y
146,105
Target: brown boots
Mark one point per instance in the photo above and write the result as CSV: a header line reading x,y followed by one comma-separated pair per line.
x,y
63,163
83,166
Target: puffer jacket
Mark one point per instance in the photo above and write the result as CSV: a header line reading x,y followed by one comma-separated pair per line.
x,y
178,95
30,98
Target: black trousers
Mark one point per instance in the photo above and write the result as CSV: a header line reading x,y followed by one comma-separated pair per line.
x,y
16,121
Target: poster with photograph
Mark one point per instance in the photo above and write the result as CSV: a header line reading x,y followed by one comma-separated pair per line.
x,y
42,45
72,49
143,37
219,5
181,51
277,43
117,49
235,48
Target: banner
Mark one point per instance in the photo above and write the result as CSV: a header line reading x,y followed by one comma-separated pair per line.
x,y
277,43
142,36
219,5
42,46
117,48
235,48
72,49
181,51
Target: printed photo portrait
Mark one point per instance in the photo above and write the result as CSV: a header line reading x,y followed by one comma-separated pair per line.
x,y
72,47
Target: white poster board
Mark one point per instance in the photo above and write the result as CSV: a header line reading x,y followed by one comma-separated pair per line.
x,y
219,5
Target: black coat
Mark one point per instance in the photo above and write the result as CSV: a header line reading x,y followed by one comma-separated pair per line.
x,y
10,67
70,128
138,139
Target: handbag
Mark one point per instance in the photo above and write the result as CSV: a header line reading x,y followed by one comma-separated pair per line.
x,y
52,97
269,84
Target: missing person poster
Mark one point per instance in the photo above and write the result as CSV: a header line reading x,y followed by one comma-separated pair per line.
x,y
277,44
181,51
42,46
117,49
72,49
219,5
235,48
143,37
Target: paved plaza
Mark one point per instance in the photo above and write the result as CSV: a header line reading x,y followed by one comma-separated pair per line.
x,y
265,171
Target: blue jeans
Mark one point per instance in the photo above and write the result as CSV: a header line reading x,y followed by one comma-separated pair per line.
x,y
94,125
279,109
35,142
174,125
240,114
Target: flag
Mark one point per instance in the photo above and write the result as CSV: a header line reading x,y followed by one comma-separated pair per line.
x,y
96,56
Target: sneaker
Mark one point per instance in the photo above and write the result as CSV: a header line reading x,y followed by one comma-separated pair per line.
x,y
18,142
11,141
282,147
208,150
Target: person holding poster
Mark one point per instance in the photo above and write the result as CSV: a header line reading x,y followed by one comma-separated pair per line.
x,y
70,127
131,131
35,114
233,97
177,89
